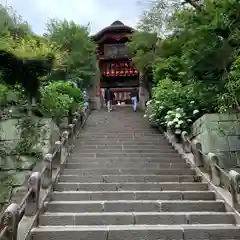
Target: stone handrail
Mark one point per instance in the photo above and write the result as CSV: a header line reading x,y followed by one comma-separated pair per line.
x,y
30,204
211,163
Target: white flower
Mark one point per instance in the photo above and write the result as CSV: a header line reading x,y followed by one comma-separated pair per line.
x,y
195,111
10,111
180,122
178,131
149,102
175,120
192,102
189,120
145,115
178,115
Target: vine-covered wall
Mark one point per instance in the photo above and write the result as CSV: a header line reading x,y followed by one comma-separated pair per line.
x,y
23,143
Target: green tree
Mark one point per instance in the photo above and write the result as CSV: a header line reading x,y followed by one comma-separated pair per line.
x,y
81,59
12,23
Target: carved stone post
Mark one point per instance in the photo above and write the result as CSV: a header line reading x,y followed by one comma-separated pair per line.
x,y
58,157
75,126
196,149
70,137
32,201
78,118
47,174
213,162
10,221
234,182
186,142
65,135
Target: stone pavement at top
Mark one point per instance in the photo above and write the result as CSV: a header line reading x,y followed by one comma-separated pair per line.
x,y
124,181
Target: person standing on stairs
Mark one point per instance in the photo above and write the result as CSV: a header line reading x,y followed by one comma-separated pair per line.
x,y
109,96
135,98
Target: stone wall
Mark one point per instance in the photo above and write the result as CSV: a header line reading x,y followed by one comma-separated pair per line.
x,y
220,134
14,170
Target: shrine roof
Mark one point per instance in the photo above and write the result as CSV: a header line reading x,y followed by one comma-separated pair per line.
x,y
116,26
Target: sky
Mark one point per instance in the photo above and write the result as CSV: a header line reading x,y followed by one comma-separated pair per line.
x,y
99,13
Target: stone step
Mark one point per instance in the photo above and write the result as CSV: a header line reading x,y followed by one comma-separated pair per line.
x,y
136,232
125,130
128,218
147,171
125,181
136,206
129,178
167,186
125,141
129,144
132,195
122,134
122,154
124,160
125,147
124,166
113,137
81,150
153,158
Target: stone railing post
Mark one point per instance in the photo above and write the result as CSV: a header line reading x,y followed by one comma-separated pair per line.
x,y
234,178
58,156
70,136
213,162
47,174
196,149
10,221
75,127
78,117
32,200
65,136
186,142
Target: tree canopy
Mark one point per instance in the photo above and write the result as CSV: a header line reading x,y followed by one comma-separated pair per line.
x,y
64,52
198,46
81,57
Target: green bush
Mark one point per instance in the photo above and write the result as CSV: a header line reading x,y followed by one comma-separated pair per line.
x,y
53,103
229,99
60,99
173,105
68,88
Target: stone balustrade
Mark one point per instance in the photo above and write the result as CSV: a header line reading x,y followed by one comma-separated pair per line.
x,y
30,204
226,177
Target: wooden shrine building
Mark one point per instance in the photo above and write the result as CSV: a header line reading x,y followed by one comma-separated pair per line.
x,y
115,63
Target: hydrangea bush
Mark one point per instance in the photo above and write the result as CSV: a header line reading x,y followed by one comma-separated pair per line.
x,y
173,111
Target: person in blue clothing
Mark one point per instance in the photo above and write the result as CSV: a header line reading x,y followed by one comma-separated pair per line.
x,y
135,98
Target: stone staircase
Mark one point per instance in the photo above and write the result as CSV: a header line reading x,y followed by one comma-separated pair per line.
x,y
124,181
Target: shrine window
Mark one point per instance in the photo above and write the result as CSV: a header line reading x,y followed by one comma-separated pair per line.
x,y
117,50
